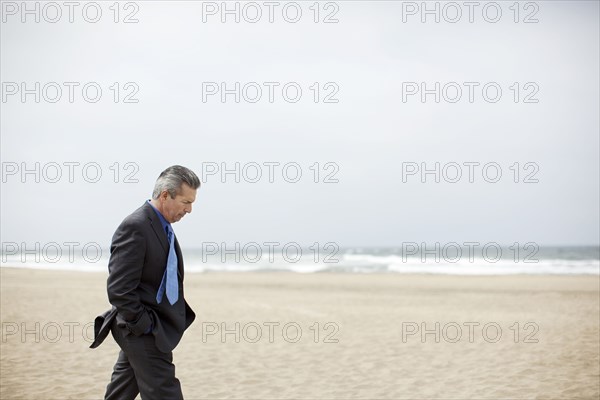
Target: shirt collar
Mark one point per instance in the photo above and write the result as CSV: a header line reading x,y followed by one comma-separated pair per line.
x,y
162,219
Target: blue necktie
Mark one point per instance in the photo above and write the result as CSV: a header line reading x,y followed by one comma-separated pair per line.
x,y
169,279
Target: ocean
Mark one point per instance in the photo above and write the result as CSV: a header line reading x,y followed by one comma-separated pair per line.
x,y
409,258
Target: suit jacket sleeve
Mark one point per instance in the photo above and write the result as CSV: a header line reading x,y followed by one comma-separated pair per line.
x,y
125,267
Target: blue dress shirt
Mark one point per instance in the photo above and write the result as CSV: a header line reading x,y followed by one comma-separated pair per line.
x,y
164,224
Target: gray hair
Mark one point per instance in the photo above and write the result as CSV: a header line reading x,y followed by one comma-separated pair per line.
x,y
171,180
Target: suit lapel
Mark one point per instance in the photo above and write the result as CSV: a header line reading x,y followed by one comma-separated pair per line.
x,y
179,258
157,227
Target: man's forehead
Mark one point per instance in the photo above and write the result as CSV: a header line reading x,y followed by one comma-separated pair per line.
x,y
187,192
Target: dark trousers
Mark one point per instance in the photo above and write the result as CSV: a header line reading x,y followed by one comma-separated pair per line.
x,y
141,368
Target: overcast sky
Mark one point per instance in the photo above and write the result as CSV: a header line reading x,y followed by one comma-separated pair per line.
x,y
371,62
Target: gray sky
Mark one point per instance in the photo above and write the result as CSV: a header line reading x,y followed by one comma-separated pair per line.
x,y
368,134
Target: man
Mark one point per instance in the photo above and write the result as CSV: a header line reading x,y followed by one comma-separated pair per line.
x,y
145,287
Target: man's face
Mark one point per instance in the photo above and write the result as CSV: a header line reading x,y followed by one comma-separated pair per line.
x,y
174,209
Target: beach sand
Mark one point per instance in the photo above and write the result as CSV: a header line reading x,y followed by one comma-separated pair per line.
x,y
351,344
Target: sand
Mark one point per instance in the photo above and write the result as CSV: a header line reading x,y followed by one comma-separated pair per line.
x,y
361,354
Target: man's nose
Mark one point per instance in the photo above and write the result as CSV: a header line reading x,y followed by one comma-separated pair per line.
x,y
189,208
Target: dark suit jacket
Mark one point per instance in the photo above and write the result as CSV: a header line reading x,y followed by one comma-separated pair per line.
x,y
138,258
